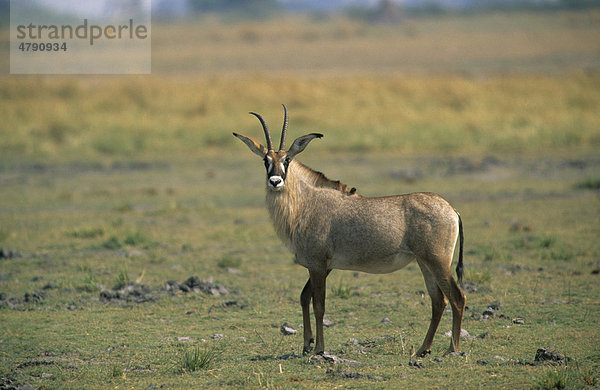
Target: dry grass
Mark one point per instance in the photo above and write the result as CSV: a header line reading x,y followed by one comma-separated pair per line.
x,y
476,45
66,118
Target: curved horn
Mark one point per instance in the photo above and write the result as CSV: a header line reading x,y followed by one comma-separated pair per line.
x,y
267,134
284,129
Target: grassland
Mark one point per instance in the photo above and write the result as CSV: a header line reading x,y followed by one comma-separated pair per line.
x,y
475,45
62,119
111,187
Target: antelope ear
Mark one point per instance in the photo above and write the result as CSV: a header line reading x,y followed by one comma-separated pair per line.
x,y
254,146
301,142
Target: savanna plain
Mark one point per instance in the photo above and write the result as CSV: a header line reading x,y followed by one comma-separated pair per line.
x,y
136,251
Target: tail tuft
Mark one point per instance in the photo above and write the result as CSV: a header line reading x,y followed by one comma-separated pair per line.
x,y
459,266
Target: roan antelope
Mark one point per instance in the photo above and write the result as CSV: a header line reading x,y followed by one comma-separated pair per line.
x,y
328,226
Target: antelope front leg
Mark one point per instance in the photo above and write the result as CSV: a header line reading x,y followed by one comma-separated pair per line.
x,y
305,298
317,281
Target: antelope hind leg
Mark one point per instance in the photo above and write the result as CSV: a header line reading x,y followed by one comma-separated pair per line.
x,y
457,302
438,304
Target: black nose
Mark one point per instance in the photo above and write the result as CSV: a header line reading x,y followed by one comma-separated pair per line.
x,y
275,181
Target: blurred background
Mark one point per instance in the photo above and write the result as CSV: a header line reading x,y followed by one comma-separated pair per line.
x,y
453,76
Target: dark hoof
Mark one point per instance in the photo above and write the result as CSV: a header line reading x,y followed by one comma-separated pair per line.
x,y
308,348
424,353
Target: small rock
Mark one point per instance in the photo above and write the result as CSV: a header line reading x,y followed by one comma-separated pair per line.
x,y
386,320
287,330
415,363
184,339
476,316
553,357
327,323
8,253
464,334
172,286
328,358
132,292
491,310
73,307
34,297
194,284
352,341
345,374
217,336
518,320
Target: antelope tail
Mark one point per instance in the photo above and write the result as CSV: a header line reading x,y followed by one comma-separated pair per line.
x,y
459,266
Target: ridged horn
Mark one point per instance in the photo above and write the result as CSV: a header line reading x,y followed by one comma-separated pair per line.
x,y
267,134
284,128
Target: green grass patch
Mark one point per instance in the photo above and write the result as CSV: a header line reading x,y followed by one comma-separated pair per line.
x,y
570,377
341,290
196,358
122,279
113,243
86,233
589,184
229,262
135,238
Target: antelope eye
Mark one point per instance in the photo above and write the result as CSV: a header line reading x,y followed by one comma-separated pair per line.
x,y
269,163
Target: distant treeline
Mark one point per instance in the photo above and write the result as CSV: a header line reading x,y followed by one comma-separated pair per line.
x,y
250,8
258,7
385,8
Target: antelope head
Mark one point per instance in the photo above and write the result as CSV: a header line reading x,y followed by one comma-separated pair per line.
x,y
277,163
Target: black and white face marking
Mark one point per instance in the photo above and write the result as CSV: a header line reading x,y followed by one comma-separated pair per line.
x,y
277,166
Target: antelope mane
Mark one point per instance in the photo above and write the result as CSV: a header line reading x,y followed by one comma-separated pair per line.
x,y
318,179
